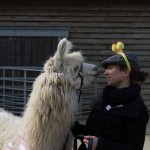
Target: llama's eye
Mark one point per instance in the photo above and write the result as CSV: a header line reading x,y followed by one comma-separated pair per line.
x,y
76,68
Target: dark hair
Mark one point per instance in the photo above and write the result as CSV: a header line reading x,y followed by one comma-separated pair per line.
x,y
136,75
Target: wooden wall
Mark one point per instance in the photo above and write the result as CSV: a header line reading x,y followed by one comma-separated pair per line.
x,y
26,51
93,28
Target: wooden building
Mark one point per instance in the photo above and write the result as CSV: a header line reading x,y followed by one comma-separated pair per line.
x,y
29,31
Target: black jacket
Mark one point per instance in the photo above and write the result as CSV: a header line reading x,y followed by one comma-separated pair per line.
x,y
123,125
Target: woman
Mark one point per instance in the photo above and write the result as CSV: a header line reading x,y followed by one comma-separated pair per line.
x,y
119,117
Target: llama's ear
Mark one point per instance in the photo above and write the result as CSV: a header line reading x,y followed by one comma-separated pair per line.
x,y
64,47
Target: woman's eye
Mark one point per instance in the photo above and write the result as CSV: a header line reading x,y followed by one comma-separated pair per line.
x,y
76,68
110,67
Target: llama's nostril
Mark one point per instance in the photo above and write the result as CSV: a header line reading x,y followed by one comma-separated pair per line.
x,y
95,68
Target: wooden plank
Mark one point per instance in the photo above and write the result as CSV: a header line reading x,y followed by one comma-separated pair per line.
x,y
48,6
112,30
110,36
65,11
101,21
145,92
109,41
75,23
100,57
109,52
102,47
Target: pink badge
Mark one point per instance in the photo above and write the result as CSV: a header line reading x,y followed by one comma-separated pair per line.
x,y
108,107
22,145
10,146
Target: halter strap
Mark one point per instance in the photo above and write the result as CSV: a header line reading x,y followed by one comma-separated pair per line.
x,y
80,74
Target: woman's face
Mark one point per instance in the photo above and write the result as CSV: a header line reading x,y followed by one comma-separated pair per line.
x,y
116,77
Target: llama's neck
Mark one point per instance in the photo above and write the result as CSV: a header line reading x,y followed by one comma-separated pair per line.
x,y
48,115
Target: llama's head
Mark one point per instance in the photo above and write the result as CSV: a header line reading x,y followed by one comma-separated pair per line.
x,y
71,65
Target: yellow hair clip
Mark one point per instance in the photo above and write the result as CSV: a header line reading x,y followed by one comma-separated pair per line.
x,y
118,48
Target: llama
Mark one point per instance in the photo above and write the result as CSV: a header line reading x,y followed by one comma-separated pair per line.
x,y
53,103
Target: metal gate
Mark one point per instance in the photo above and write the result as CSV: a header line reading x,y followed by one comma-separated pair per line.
x,y
16,84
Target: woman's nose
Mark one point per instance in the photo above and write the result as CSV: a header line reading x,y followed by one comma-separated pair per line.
x,y
106,72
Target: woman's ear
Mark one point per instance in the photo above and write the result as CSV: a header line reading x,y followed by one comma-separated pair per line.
x,y
127,73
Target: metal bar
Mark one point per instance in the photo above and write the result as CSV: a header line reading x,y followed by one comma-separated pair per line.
x,y
25,86
12,89
3,88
